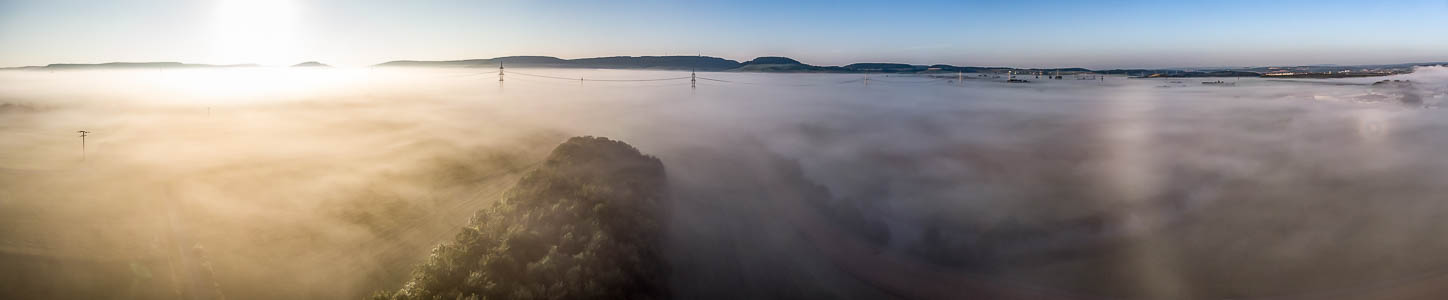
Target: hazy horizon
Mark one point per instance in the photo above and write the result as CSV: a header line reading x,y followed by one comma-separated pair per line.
x,y
740,60
640,178
332,183
1097,35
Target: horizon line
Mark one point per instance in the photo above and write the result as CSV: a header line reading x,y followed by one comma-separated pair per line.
x,y
252,64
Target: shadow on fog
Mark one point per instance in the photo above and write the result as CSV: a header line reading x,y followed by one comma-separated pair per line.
x,y
1126,188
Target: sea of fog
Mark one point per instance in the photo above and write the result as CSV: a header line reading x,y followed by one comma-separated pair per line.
x,y
271,183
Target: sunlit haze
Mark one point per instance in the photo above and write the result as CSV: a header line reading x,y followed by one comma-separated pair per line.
x,y
652,150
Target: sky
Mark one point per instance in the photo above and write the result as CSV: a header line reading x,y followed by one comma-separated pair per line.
x,y
1093,34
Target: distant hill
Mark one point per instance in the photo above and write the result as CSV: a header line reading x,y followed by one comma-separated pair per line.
x,y
773,60
885,67
127,65
311,64
700,63
779,64
587,224
786,68
771,64
1178,73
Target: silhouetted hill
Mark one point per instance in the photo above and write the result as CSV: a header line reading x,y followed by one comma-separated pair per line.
x,y
1064,70
778,64
785,68
701,63
310,64
884,67
1178,73
126,65
1136,72
788,65
530,61
585,225
773,60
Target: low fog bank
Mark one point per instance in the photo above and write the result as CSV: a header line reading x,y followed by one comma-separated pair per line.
x,y
330,183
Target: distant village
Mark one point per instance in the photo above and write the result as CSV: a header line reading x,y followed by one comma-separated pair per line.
x,y
1308,72
1318,71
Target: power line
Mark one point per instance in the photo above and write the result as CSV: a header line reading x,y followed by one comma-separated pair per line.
x,y
724,81
574,82
614,80
798,84
694,78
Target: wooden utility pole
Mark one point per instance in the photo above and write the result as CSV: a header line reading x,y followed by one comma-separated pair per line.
x,y
82,133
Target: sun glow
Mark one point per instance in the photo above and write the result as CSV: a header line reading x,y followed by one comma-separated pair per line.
x,y
255,31
253,85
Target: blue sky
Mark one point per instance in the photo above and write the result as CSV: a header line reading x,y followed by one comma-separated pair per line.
x,y
1096,34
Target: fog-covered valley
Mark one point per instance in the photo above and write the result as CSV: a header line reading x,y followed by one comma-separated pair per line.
x,y
262,183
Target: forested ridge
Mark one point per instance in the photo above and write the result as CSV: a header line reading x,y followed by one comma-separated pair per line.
x,y
586,224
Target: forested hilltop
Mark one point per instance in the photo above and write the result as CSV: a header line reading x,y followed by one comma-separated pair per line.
x,y
585,225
